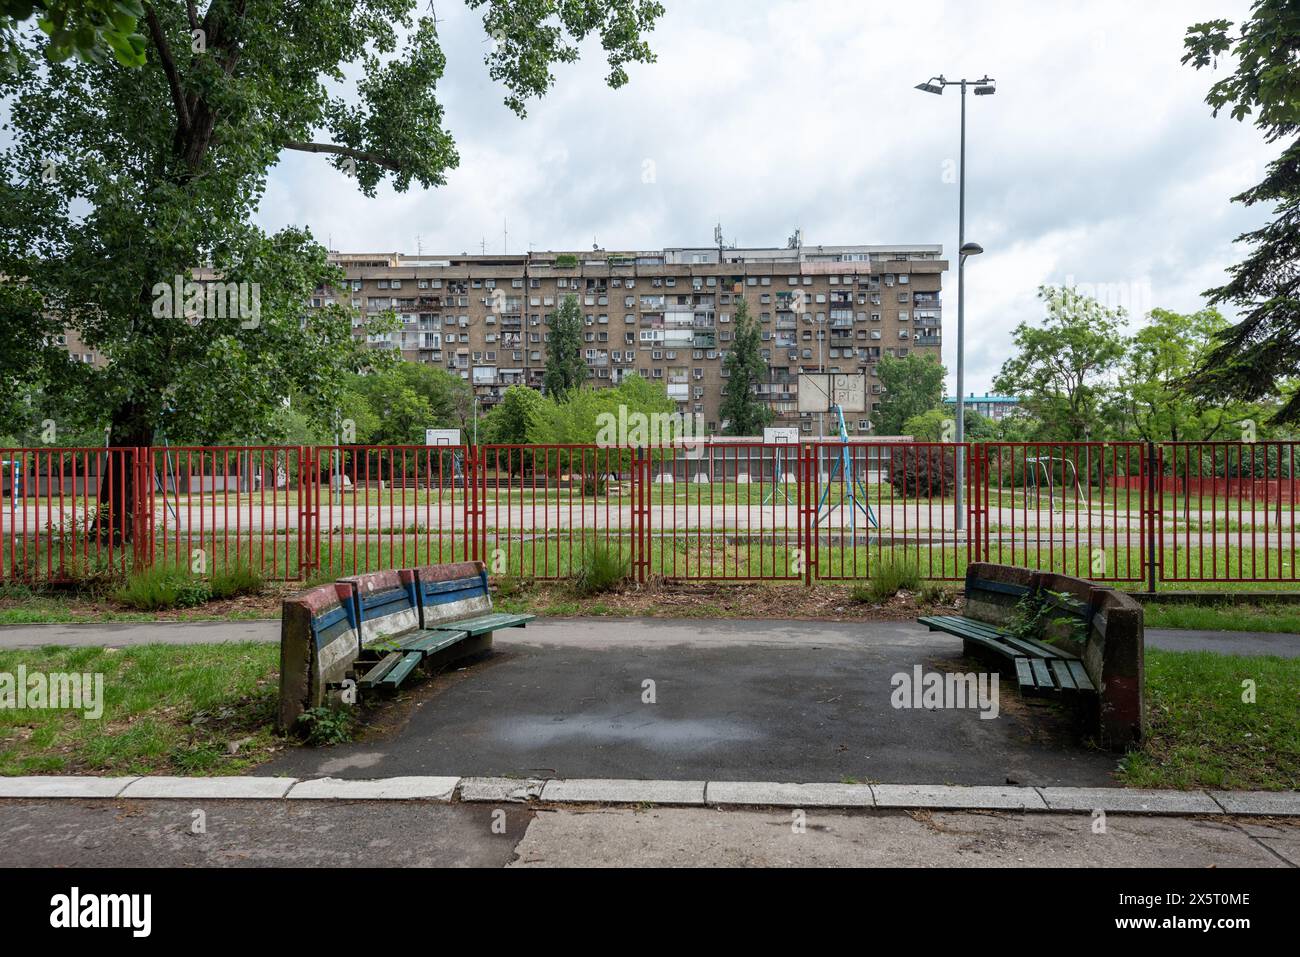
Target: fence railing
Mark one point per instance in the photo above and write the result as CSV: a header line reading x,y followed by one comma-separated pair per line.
x,y
1138,514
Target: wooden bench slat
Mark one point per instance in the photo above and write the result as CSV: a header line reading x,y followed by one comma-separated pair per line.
x,y
1030,648
386,664
1080,675
482,624
1042,677
403,668
1051,651
1024,674
432,641
1061,672
961,625
1005,588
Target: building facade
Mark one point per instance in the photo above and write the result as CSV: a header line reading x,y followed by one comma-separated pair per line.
x,y
995,407
664,314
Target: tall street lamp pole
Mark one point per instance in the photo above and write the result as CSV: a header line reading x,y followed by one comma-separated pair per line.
x,y
982,87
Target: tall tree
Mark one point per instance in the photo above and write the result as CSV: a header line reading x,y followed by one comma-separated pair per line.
x,y
119,183
92,29
565,367
912,385
1253,356
1159,356
1063,370
745,369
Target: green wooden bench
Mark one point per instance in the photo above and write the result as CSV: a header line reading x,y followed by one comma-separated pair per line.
x,y
406,618
1040,668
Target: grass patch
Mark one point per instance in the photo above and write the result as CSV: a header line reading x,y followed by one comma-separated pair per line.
x,y
1202,734
233,581
1276,618
888,578
328,725
163,587
604,568
195,709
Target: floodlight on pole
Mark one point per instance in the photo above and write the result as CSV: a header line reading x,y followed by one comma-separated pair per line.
x,y
984,86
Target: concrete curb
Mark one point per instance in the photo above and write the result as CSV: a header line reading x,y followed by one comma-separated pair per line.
x,y
730,794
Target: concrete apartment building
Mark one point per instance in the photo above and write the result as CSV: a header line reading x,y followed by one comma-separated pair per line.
x,y
665,314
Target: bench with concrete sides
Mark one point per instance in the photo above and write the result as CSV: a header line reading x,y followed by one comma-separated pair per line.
x,y
1089,652
376,629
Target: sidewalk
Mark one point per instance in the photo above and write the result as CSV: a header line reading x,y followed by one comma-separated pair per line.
x,y
492,825
124,634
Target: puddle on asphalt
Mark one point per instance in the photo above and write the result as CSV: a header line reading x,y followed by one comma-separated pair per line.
x,y
643,732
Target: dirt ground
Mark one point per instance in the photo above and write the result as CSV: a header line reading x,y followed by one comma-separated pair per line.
x,y
821,602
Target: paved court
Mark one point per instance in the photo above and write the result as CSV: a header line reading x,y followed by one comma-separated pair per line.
x,y
732,700
711,700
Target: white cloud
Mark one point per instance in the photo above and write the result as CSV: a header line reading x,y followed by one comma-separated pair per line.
x,y
1097,159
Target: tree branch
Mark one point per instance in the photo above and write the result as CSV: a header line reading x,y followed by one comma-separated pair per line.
x,y
169,67
377,158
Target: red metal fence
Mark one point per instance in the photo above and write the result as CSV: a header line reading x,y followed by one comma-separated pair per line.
x,y
1133,513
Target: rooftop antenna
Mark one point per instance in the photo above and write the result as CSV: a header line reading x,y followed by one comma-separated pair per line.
x,y
419,245
505,237
482,246
717,238
595,246
796,240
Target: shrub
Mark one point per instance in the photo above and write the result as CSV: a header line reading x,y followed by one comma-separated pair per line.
x,y
888,578
604,568
163,587
326,725
235,580
922,471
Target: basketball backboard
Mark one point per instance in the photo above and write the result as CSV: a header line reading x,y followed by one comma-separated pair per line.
x,y
779,435
818,391
442,436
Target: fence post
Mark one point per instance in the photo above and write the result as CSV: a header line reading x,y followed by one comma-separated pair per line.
x,y
137,510
807,500
1153,512
635,495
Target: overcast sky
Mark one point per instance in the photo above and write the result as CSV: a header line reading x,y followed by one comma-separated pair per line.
x,y
1097,162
